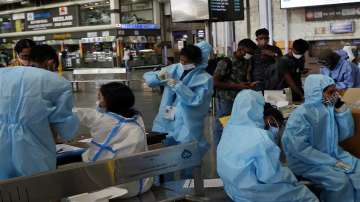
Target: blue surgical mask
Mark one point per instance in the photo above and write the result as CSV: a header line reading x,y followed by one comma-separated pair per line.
x,y
99,108
273,134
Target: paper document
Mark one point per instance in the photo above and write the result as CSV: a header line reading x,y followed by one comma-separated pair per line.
x,y
276,97
110,193
101,196
61,148
88,140
208,183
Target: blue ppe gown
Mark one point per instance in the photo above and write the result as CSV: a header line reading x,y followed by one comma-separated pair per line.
x,y
33,101
311,140
342,74
248,160
191,97
355,69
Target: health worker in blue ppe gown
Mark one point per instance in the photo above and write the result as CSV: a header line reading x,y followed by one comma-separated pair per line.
x,y
355,69
248,158
311,142
337,68
35,104
186,98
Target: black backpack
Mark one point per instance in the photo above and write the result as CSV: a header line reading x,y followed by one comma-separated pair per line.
x,y
212,64
273,79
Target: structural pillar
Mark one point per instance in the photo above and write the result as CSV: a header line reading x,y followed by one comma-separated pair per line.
x,y
266,18
115,14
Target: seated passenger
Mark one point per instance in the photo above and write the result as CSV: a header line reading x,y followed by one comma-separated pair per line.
x,y
34,103
274,121
311,140
117,130
248,159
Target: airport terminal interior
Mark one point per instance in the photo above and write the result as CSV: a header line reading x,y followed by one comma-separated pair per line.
x,y
179,100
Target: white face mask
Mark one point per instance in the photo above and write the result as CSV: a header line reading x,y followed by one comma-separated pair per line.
x,y
247,56
273,134
188,67
297,56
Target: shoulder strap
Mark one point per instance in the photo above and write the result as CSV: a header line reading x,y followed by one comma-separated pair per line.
x,y
228,66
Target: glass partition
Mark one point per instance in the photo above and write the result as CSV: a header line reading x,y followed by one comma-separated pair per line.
x,y
137,12
97,13
98,52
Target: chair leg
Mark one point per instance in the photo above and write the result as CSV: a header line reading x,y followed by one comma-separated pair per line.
x,y
198,182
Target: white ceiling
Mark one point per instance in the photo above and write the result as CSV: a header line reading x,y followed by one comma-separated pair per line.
x,y
9,1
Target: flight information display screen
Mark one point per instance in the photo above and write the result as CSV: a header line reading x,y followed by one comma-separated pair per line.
x,y
207,10
226,10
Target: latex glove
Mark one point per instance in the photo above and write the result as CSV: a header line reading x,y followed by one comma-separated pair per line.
x,y
171,82
162,75
343,166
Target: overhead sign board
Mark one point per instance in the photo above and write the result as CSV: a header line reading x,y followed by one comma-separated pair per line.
x,y
138,26
39,38
51,18
207,10
342,27
332,12
18,16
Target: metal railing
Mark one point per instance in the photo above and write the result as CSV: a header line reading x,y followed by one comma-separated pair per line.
x,y
89,177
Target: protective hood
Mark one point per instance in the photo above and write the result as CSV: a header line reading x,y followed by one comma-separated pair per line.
x,y
206,48
314,87
248,109
349,52
343,54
